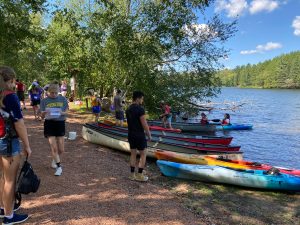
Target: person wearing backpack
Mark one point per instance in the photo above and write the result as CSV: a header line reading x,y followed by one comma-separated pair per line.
x,y
12,128
53,109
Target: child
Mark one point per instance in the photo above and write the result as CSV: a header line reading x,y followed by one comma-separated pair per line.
x,y
35,98
54,109
226,120
96,106
204,119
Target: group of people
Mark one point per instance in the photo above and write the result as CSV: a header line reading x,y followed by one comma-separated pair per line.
x,y
225,121
53,108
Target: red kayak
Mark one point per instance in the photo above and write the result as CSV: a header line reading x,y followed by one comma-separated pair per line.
x,y
164,129
210,140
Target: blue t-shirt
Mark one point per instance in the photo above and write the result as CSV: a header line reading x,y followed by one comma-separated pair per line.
x,y
59,102
12,106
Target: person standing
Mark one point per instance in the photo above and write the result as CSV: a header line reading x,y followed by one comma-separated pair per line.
x,y
137,127
118,105
35,99
64,88
13,129
54,109
166,115
20,92
96,106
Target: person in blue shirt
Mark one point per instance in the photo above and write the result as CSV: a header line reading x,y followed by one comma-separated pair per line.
x,y
10,147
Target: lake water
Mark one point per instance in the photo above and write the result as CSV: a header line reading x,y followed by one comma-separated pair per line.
x,y
275,115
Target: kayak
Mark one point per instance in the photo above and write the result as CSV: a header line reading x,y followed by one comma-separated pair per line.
x,y
173,143
246,178
235,127
187,127
97,136
220,161
214,140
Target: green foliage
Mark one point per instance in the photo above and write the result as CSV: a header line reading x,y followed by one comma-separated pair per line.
x,y
280,72
154,46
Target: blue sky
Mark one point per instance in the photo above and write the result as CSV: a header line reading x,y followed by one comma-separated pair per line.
x,y
266,28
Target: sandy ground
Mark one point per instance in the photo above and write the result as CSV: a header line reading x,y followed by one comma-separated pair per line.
x,y
94,188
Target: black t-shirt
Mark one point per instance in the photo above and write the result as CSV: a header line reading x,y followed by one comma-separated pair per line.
x,y
133,114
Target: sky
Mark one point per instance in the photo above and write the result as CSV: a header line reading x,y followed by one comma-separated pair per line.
x,y
266,29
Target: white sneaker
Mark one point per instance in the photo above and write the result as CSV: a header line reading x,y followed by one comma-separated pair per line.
x,y
58,171
53,164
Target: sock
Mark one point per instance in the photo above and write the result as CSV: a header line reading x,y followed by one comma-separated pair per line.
x,y
141,170
132,169
10,216
58,164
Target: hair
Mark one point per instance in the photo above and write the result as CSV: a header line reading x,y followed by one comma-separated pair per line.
x,y
119,91
203,114
6,74
227,116
53,88
137,94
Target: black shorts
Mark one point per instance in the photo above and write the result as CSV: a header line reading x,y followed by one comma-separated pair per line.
x,y
119,115
21,96
139,143
35,102
54,128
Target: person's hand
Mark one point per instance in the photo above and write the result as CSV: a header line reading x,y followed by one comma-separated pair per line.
x,y
27,151
149,138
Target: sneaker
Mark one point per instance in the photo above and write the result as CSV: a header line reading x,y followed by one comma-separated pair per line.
x,y
53,164
16,208
141,177
132,176
58,171
18,218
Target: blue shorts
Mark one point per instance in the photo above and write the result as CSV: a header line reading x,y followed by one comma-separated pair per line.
x,y
169,119
119,115
96,109
16,147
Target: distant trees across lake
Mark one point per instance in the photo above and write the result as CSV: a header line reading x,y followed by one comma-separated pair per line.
x,y
280,72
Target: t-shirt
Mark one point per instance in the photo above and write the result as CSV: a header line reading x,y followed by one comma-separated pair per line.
x,y
63,87
133,114
35,96
20,86
12,106
118,103
60,103
167,109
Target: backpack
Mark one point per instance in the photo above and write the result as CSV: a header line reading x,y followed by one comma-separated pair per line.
x,y
28,182
7,127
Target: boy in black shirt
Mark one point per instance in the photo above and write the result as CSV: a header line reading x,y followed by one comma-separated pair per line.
x,y
137,126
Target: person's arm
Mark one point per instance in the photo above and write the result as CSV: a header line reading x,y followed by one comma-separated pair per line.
x,y
145,126
22,132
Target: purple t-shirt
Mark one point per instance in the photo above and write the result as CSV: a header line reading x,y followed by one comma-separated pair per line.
x,y
12,106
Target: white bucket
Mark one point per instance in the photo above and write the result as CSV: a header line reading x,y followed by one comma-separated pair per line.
x,y
72,135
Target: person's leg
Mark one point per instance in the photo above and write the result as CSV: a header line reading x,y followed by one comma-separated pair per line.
x,y
61,145
140,176
10,169
54,149
170,122
132,163
34,111
1,184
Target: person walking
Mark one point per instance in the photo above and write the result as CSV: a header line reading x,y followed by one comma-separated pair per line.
x,y
12,129
118,105
96,106
166,115
20,87
54,110
137,127
35,100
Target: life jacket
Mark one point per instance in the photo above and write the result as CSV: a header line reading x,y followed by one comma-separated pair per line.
x,y
7,127
95,101
204,121
225,122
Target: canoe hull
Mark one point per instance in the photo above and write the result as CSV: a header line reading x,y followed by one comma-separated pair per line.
x,y
235,127
216,174
187,127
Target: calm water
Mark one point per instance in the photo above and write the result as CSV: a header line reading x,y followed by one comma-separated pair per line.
x,y
275,115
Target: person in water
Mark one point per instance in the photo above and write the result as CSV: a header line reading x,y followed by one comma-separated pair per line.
x,y
204,119
226,120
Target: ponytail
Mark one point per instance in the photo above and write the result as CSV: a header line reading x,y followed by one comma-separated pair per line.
x,y
6,74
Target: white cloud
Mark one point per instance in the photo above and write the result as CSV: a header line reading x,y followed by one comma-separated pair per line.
x,y
296,25
262,48
257,6
233,8
199,32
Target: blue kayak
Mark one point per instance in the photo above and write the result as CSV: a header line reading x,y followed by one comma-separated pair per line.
x,y
235,127
217,174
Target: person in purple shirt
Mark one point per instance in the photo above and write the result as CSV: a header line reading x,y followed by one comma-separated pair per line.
x,y
10,147
35,98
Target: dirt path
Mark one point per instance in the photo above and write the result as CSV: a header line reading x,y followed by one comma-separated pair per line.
x,y
94,188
